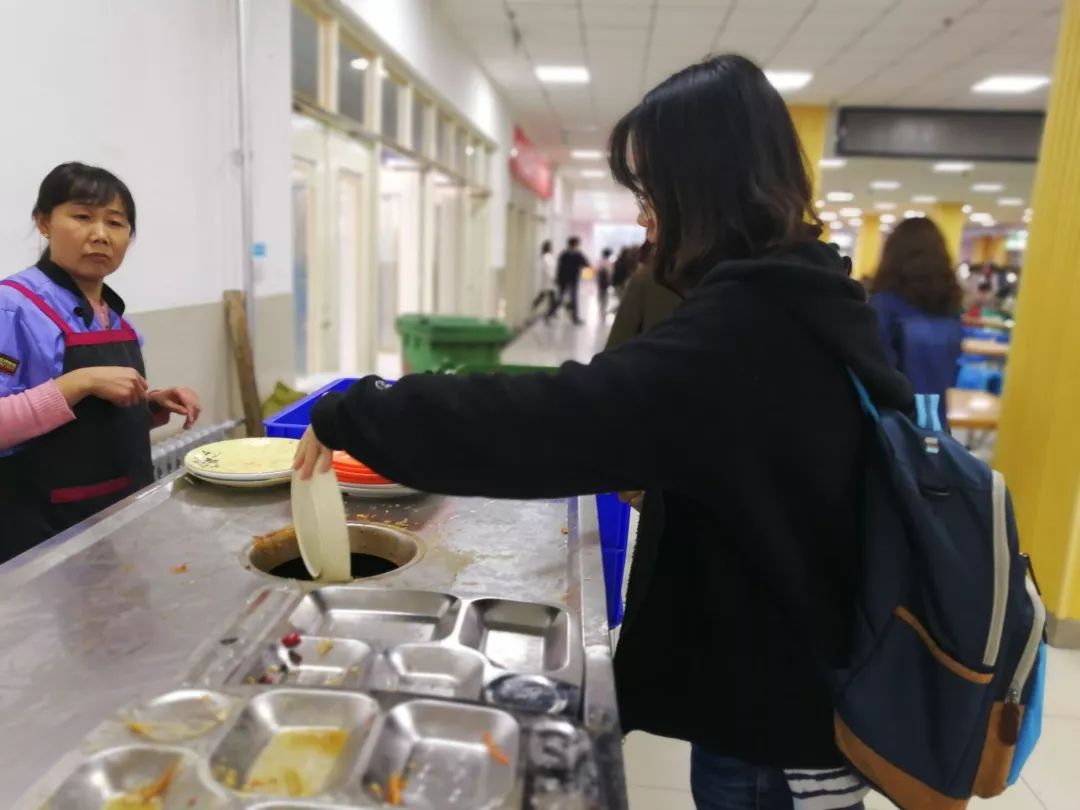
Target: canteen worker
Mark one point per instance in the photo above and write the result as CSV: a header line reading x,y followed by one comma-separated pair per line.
x,y
75,408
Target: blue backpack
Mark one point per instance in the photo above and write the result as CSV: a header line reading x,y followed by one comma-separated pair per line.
x,y
942,699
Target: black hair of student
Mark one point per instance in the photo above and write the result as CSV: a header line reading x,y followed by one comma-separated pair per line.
x,y
77,182
545,247
573,242
606,253
714,156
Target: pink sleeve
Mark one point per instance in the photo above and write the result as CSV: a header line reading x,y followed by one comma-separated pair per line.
x,y
32,413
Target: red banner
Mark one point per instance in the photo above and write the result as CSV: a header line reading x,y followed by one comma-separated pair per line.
x,y
530,167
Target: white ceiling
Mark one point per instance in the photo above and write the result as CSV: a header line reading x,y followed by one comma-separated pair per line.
x,y
925,53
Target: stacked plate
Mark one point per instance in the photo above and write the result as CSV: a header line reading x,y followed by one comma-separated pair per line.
x,y
357,480
243,463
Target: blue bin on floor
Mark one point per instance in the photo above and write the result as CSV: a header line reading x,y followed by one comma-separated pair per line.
x,y
614,563
291,422
614,519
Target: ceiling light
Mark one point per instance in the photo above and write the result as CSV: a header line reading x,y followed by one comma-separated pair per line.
x,y
988,188
1010,84
842,240
1011,278
514,152
836,226
967,209
884,185
470,150
888,219
1010,202
594,173
884,206
383,72
839,196
924,199
855,222
850,212
953,167
562,74
586,154
819,204
982,218
788,79
913,214
827,216
832,163
360,63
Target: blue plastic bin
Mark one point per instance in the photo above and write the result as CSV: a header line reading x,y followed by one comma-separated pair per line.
x,y
291,422
614,563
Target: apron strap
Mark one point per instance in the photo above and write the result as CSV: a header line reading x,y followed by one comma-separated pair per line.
x,y
39,302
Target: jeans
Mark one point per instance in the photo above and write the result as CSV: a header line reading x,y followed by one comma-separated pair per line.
x,y
726,783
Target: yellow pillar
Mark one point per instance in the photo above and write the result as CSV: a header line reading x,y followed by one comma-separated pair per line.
x,y
1038,445
949,217
811,123
867,247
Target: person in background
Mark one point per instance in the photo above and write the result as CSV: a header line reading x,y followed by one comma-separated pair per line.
x,y
75,408
603,279
568,276
918,298
545,276
644,303
745,576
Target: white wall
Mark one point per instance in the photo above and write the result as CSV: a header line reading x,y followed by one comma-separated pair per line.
x,y
417,33
149,91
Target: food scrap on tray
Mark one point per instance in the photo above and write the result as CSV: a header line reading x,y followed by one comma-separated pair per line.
x,y
494,751
148,797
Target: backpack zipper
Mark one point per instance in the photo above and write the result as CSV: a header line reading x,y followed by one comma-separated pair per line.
x,y
1001,571
1031,649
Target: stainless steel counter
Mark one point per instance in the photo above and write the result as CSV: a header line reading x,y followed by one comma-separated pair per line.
x,y
112,610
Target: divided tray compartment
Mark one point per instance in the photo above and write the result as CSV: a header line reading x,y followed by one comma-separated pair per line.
x,y
441,751
316,661
295,743
175,778
523,637
378,617
436,670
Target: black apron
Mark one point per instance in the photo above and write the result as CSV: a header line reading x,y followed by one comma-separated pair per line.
x,y
65,476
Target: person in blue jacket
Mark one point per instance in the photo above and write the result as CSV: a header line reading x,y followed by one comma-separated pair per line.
x,y
918,301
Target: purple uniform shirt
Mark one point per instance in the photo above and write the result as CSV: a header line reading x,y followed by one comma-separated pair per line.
x,y
31,345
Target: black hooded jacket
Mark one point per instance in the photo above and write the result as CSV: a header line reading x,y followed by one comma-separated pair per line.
x,y
738,418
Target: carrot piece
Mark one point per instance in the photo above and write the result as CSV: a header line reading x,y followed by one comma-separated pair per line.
x,y
158,788
494,751
395,789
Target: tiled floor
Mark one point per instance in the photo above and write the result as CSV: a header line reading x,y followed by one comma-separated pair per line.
x,y
658,770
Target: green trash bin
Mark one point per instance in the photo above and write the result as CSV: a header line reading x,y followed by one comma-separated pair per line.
x,y
435,342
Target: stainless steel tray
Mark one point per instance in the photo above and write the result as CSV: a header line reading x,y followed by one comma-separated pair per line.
x,y
342,749
521,655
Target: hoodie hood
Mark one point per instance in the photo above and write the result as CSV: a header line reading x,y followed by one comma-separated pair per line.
x,y
811,281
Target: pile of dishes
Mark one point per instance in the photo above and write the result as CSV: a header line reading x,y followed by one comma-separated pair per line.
x,y
243,463
357,480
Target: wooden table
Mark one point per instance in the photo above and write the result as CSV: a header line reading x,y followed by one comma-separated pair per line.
x,y
972,410
985,348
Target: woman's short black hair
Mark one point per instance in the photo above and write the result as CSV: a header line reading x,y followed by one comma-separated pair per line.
x,y
713,154
77,182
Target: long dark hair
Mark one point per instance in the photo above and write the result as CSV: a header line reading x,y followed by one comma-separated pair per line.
x,y
915,266
77,182
713,152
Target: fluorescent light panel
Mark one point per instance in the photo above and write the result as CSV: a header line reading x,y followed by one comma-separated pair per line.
x,y
888,219
839,196
594,173
360,63
884,185
850,212
827,216
884,206
562,74
788,79
988,188
953,167
1010,202
586,154
832,163
1010,84
924,199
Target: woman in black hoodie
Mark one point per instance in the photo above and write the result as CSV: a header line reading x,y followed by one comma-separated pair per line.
x,y
736,416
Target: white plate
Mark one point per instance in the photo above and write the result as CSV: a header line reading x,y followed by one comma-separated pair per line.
x,y
260,484
243,459
376,491
319,517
